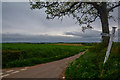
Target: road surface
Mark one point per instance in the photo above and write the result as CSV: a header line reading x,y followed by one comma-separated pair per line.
x,y
53,69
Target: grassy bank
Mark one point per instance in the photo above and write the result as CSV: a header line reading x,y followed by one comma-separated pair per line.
x,y
23,54
90,65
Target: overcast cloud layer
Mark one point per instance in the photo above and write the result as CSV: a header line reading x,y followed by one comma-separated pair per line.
x,y
20,23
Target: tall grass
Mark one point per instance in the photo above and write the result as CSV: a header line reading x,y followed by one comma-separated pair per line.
x,y
23,54
90,65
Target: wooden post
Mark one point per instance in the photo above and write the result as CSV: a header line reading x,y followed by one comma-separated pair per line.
x,y
110,44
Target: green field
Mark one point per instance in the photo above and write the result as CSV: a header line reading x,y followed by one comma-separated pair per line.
x,y
23,54
90,65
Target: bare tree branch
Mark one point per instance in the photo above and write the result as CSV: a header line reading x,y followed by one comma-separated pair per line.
x,y
114,6
77,7
68,9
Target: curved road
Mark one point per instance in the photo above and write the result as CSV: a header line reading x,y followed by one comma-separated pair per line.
x,y
53,69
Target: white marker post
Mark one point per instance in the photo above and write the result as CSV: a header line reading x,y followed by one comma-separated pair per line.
x,y
110,44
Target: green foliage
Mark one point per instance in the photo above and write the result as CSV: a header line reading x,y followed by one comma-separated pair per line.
x,y
21,54
90,65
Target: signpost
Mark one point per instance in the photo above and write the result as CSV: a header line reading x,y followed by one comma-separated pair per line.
x,y
119,35
119,24
110,43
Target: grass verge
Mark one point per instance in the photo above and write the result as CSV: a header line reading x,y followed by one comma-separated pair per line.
x,y
90,65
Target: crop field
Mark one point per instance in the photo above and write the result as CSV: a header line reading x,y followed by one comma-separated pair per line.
x,y
26,54
69,44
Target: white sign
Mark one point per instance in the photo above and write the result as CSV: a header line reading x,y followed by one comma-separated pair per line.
x,y
110,44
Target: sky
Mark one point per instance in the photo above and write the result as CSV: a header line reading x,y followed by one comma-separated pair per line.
x,y
21,24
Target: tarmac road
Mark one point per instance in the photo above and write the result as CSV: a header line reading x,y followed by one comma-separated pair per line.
x,y
53,69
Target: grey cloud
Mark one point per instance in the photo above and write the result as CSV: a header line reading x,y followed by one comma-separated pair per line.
x,y
44,38
86,34
18,15
91,34
19,18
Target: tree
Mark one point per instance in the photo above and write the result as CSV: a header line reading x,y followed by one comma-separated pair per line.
x,y
84,12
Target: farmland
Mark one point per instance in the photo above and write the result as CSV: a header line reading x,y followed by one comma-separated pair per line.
x,y
26,54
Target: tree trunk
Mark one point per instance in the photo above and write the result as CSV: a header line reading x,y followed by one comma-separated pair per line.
x,y
105,29
105,24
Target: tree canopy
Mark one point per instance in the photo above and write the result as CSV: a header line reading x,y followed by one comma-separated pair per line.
x,y
84,12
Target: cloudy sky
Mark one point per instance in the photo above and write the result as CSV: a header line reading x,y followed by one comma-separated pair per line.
x,y
20,23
